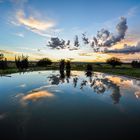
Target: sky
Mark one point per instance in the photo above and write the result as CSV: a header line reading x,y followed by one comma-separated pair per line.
x,y
96,29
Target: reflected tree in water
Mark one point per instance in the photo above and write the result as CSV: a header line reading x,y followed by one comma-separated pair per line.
x,y
75,80
89,70
99,83
68,68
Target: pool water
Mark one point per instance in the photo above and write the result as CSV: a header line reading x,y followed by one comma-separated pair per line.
x,y
45,105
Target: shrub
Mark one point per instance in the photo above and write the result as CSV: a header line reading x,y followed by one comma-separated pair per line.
x,y
135,64
44,62
113,61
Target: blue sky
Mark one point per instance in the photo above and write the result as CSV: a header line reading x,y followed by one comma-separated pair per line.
x,y
27,25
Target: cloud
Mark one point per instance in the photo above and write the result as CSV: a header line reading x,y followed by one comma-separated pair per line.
x,y
33,96
132,12
56,43
106,39
19,34
85,39
126,49
85,54
37,95
32,23
6,52
76,41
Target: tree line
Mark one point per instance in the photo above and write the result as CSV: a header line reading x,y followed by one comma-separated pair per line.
x,y
22,63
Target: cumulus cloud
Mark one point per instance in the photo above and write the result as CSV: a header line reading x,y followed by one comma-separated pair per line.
x,y
76,41
126,49
56,43
85,39
106,39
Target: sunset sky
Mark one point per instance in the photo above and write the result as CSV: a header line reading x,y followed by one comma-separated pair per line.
x,y
26,27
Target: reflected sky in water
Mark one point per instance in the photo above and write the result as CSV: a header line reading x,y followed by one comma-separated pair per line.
x,y
78,105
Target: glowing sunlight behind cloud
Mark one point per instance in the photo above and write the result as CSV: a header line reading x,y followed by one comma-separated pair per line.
x,y
33,24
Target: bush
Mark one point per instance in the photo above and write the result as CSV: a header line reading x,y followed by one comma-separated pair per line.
x,y
113,61
44,62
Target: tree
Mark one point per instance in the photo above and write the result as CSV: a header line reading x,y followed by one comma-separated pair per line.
x,y
135,64
44,62
89,70
68,68
22,62
3,62
113,61
62,65
1,56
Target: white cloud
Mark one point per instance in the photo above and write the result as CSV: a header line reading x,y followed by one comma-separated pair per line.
x,y
33,23
132,12
19,34
41,27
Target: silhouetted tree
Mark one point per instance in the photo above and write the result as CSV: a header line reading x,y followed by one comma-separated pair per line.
x,y
135,64
62,65
22,62
61,69
113,61
89,70
44,62
3,62
68,68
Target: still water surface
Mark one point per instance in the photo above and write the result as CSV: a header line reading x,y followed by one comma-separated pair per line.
x,y
46,105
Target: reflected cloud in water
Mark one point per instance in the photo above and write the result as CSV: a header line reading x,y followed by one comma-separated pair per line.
x,y
137,94
34,96
100,83
37,95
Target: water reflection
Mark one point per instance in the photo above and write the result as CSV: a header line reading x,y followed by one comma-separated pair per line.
x,y
36,95
99,83
39,104
137,94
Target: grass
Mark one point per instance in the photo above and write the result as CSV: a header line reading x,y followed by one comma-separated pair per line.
x,y
124,70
